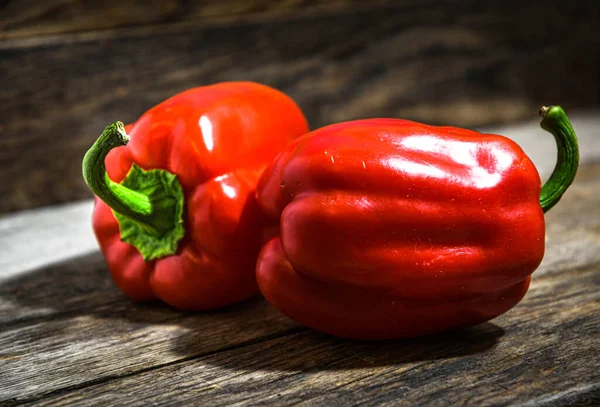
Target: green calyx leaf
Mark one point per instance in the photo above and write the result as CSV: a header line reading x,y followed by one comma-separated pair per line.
x,y
159,235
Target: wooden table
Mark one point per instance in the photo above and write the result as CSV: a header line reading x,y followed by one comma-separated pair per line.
x,y
69,337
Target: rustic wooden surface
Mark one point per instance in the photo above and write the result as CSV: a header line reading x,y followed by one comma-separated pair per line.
x,y
69,337
437,61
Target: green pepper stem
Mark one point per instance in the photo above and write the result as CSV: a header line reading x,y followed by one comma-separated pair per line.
x,y
127,202
555,121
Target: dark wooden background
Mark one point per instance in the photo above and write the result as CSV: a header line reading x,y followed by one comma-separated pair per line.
x,y
67,68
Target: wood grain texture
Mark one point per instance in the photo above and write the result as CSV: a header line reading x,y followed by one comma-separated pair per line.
x,y
518,358
440,62
25,18
68,337
76,328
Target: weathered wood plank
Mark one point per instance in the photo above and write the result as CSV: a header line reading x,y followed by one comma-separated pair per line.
x,y
541,353
53,233
31,17
111,338
448,62
66,328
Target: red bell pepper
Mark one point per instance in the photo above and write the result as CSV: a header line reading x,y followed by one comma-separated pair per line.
x,y
175,213
391,228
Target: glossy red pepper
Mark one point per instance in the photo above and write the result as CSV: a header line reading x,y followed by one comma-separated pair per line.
x,y
175,213
391,228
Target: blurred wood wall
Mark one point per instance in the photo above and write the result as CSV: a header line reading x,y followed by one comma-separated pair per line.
x,y
67,68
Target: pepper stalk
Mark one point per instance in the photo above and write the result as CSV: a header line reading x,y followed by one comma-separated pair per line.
x,y
148,205
555,121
